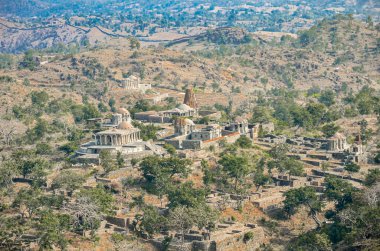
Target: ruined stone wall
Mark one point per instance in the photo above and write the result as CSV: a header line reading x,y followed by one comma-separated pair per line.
x,y
210,143
231,138
156,119
235,241
142,116
192,144
120,222
176,143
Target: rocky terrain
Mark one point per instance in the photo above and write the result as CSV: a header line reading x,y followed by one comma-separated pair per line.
x,y
269,183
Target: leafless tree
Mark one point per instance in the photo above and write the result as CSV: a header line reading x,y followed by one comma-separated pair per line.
x,y
9,129
372,196
7,134
85,214
181,221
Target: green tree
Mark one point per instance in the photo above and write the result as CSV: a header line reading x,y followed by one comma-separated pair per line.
x,y
325,166
39,131
352,168
28,164
208,176
311,241
101,198
244,142
7,173
138,202
43,149
282,162
6,61
150,221
261,114
304,196
147,132
28,202
29,61
154,166
186,195
107,161
51,230
327,97
69,148
260,179
330,129
134,43
365,133
339,191
39,98
68,180
236,167
90,111
372,177
120,160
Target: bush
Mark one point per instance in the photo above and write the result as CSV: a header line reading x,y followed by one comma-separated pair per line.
x,y
6,79
171,149
352,167
248,237
69,148
6,61
39,98
244,142
43,148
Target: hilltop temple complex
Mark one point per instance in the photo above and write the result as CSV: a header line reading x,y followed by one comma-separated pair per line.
x,y
121,137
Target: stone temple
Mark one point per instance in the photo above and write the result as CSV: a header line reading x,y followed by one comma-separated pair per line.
x,y
188,137
121,136
187,109
134,83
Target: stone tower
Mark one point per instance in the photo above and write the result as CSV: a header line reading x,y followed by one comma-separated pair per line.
x,y
190,99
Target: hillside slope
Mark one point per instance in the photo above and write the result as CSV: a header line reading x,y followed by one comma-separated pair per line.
x,y
350,61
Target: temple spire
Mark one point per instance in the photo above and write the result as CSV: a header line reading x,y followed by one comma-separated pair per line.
x,y
190,99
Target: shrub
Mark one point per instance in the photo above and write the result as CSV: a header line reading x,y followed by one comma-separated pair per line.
x,y
43,148
248,236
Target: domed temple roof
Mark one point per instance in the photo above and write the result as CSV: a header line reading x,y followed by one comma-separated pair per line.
x,y
184,107
183,121
125,126
122,111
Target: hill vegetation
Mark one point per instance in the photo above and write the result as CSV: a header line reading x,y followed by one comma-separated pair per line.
x,y
323,81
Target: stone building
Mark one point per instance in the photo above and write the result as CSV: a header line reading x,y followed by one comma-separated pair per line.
x,y
186,135
124,134
182,110
134,83
165,116
238,125
338,142
117,118
207,133
126,115
183,126
123,138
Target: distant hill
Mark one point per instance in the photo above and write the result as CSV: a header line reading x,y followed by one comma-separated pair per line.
x,y
17,38
338,53
45,8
